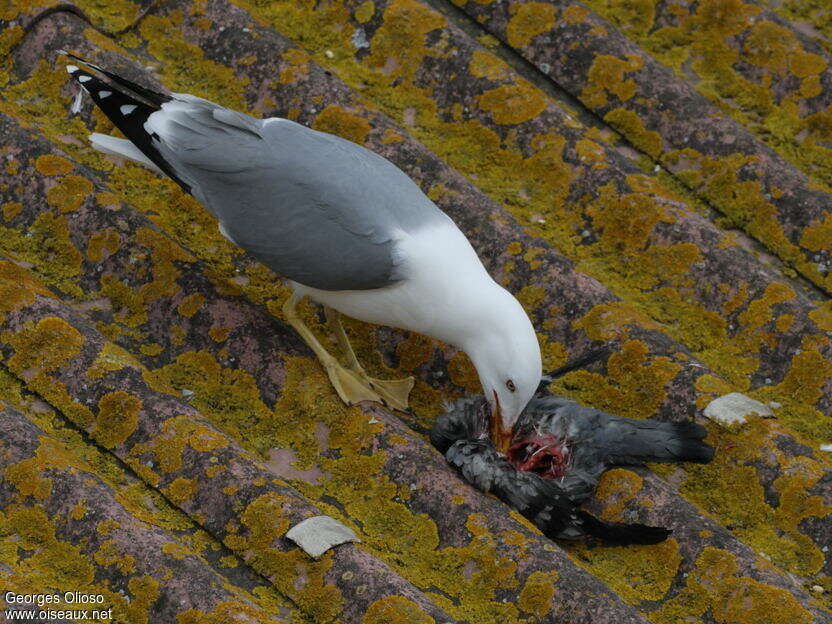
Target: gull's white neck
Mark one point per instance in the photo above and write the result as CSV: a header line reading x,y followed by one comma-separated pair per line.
x,y
445,291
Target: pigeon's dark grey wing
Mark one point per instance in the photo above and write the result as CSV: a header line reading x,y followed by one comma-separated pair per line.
x,y
626,442
544,502
598,436
315,208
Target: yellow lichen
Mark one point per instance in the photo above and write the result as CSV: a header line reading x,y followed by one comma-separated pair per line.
x,y
117,418
69,193
337,120
50,165
43,346
513,103
528,19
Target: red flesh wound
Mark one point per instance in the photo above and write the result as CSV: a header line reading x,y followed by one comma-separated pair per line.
x,y
544,455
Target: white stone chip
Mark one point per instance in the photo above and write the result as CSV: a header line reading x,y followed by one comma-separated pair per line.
x,y
318,534
735,408
826,447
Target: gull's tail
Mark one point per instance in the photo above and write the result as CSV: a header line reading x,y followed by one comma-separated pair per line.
x,y
128,105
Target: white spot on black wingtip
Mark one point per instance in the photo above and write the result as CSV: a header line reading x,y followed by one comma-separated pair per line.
x,y
104,94
84,78
127,109
71,69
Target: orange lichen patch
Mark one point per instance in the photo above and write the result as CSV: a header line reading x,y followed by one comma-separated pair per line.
x,y
176,434
18,288
415,350
185,68
575,14
229,395
29,528
117,418
528,19
610,320
128,306
103,244
365,11
634,386
396,610
818,235
27,475
219,333
399,43
191,304
463,373
513,103
485,65
43,346
615,489
538,593
108,554
11,210
69,193
50,165
606,75
337,120
47,245
164,253
630,125
713,585
181,490
636,573
822,317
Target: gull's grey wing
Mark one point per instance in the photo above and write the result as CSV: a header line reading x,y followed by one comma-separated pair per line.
x,y
315,208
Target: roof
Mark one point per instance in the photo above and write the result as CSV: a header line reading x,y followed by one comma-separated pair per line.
x,y
654,175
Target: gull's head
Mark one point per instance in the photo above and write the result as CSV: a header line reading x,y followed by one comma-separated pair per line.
x,y
504,349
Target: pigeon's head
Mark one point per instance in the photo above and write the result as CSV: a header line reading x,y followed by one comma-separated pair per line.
x,y
506,355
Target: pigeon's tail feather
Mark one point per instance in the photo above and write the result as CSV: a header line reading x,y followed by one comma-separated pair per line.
x,y
128,106
622,533
638,441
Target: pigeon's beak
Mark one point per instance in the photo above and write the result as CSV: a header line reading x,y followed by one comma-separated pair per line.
x,y
499,436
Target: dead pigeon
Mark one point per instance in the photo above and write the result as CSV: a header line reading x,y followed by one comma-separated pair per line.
x,y
557,454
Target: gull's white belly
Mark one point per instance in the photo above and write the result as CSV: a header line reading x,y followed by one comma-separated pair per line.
x,y
443,284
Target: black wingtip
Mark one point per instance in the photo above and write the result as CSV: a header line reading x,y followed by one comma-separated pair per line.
x,y
692,448
623,534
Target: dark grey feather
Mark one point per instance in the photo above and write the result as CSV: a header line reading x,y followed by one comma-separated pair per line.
x,y
595,441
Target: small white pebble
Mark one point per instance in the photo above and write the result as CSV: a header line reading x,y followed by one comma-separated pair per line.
x,y
817,589
735,408
329,54
826,448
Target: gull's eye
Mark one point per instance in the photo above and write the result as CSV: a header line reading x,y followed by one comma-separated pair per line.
x,y
510,385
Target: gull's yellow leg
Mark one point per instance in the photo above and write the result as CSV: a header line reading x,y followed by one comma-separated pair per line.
x,y
394,392
349,385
